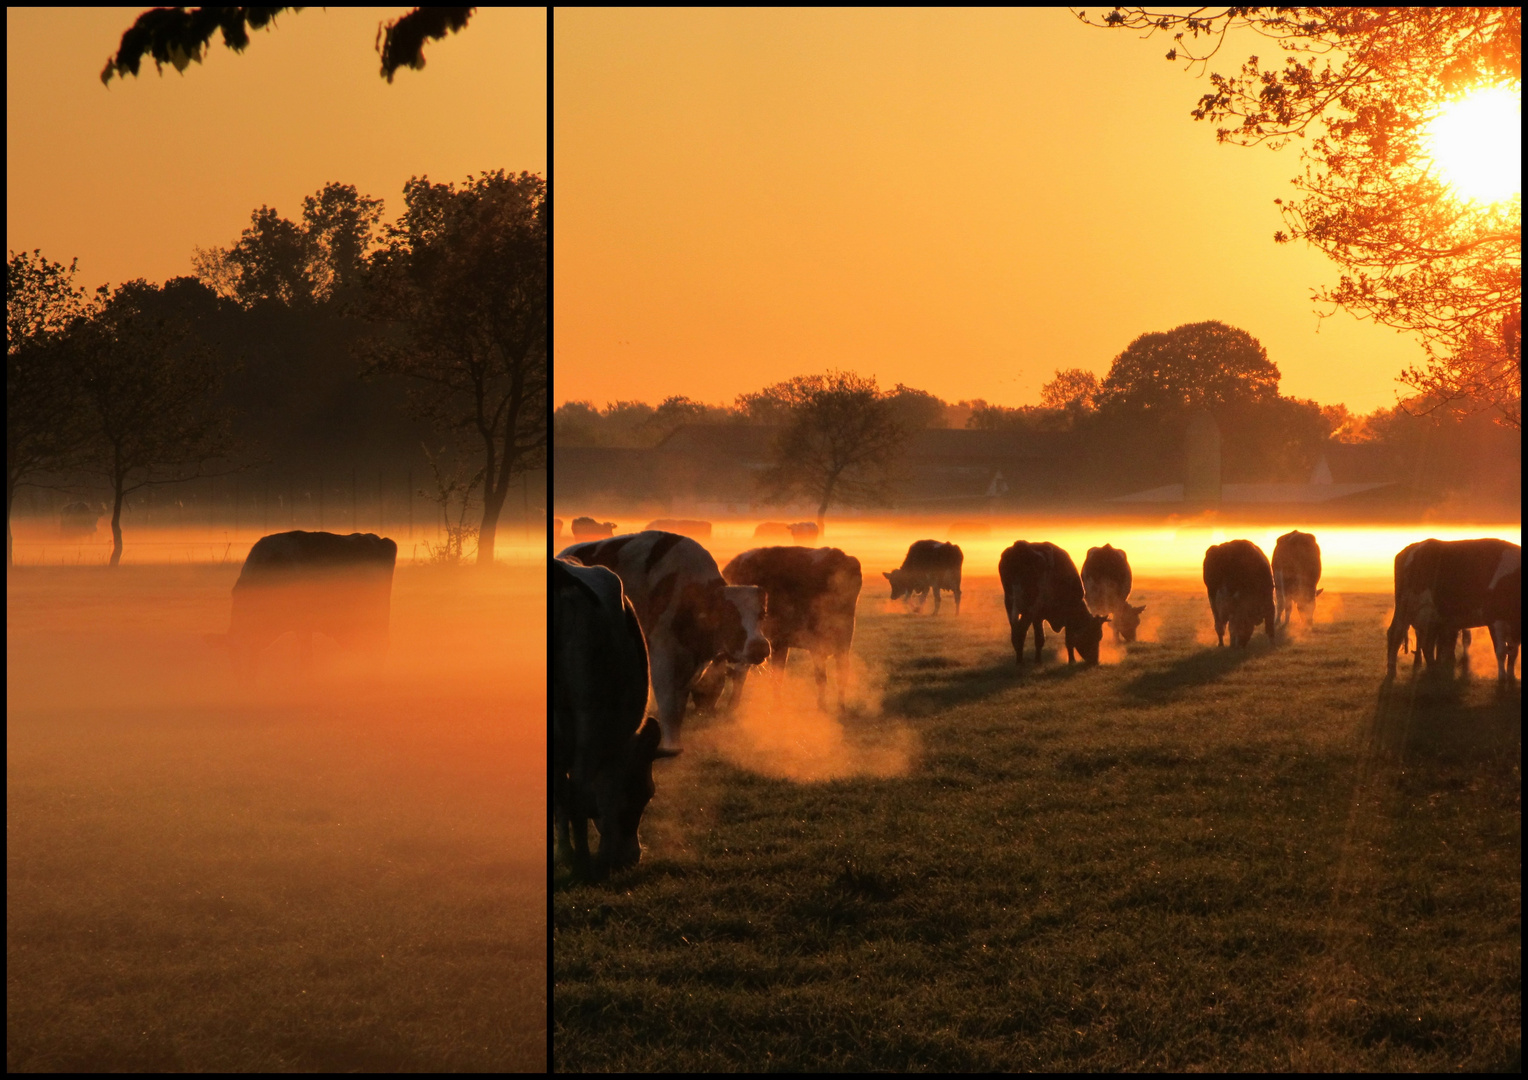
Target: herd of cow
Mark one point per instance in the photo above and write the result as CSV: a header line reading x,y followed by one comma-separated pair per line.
x,y
652,609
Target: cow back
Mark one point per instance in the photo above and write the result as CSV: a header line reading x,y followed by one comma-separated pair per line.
x,y
810,594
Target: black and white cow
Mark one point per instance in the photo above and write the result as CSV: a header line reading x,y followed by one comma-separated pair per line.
x,y
1296,573
603,744
308,582
1443,587
1240,586
1040,585
1106,583
690,615
928,564
810,596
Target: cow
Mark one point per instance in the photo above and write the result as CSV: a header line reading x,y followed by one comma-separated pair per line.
x,y
1443,587
810,597
928,564
695,530
1106,582
603,743
1040,585
1296,572
771,530
584,527
690,615
803,532
80,519
308,582
1239,582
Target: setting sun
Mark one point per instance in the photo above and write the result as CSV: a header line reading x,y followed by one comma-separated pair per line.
x,y
1477,143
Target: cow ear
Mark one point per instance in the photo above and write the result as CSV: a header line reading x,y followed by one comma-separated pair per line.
x,y
886,575
1135,609
1320,591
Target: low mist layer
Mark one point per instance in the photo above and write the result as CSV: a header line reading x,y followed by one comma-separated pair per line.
x,y
333,869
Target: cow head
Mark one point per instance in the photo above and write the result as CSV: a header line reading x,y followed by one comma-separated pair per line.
x,y
622,796
901,583
739,618
1085,633
1130,621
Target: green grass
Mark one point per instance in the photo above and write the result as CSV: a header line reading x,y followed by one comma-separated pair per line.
x,y
337,873
1190,859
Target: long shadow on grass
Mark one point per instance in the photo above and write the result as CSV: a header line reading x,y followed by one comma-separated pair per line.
x,y
1444,718
1205,666
934,688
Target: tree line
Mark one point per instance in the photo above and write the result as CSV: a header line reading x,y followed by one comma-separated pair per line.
x,y
840,439
336,335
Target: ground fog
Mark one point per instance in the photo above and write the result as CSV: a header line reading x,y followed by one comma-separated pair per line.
x,y
335,869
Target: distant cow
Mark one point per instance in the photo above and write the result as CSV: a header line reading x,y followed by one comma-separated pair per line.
x,y
586,527
603,744
308,582
1040,585
771,530
690,615
695,530
803,532
1106,582
80,519
1296,572
928,564
1443,587
1239,582
809,597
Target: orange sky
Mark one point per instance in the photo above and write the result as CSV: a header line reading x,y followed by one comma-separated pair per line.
x,y
130,178
963,201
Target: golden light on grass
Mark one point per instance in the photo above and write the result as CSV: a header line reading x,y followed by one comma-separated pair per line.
x,y
1477,144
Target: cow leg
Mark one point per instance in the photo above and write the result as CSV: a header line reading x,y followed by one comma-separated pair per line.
x,y
820,672
936,599
1039,638
841,666
739,673
1018,628
670,689
956,591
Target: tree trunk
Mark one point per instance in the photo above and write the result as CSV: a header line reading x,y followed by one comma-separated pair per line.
x,y
116,525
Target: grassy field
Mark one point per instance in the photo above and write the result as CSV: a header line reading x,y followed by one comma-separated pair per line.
x,y
1184,859
337,872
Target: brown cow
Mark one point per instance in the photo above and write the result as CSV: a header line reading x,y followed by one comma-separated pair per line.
x,y
1443,587
1040,585
1106,582
928,564
586,528
1240,586
809,603
1296,571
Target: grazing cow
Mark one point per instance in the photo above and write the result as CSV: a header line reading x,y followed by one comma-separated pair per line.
x,y
1443,587
690,615
586,527
771,530
695,530
603,744
1040,585
809,598
1296,571
803,532
1106,582
80,519
1240,585
336,585
928,564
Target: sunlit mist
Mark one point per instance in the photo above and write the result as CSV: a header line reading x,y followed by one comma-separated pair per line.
x,y
1477,143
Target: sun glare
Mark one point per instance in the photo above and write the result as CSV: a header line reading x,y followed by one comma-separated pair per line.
x,y
1477,144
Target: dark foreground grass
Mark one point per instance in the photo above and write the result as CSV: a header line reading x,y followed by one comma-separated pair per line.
x,y
338,873
1189,859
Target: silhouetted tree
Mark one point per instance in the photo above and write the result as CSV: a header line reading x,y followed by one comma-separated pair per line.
x,y
44,421
916,410
178,36
149,384
460,290
1197,365
1072,390
1413,256
840,441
